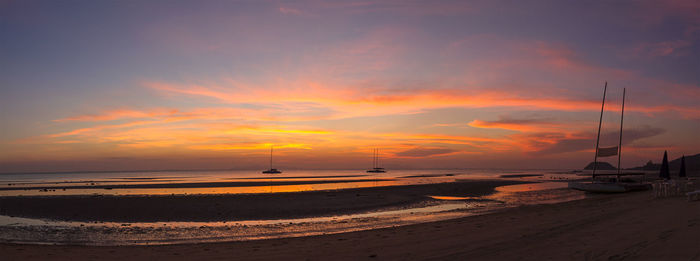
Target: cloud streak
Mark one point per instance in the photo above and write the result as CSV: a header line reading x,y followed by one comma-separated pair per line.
x,y
424,152
520,125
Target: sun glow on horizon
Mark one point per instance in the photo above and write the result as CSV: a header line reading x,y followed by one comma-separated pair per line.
x,y
437,84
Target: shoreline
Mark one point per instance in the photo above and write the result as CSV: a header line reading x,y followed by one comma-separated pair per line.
x,y
603,227
219,184
235,207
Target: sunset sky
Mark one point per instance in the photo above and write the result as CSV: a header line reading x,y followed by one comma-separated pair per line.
x,y
135,85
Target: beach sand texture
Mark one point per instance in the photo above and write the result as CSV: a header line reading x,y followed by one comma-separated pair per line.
x,y
633,226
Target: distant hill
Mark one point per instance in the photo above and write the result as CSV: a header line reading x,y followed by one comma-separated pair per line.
x,y
649,166
692,163
601,166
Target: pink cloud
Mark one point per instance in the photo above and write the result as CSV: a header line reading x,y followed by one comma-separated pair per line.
x,y
289,10
520,125
660,49
349,102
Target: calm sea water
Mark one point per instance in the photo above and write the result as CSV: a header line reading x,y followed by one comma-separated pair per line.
x,y
547,188
233,182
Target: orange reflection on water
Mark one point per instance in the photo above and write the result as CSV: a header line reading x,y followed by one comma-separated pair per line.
x,y
532,187
525,194
452,198
211,190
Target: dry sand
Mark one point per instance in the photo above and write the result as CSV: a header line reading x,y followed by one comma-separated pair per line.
x,y
632,226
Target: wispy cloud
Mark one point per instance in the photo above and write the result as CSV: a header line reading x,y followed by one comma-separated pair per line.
x,y
289,10
520,125
421,152
554,143
665,48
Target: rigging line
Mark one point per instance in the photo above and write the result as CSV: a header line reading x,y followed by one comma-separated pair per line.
x,y
600,124
622,117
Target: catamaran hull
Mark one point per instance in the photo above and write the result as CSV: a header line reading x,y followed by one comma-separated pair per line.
x,y
607,187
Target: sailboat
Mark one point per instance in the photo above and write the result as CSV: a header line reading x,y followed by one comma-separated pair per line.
x,y
271,170
375,167
610,185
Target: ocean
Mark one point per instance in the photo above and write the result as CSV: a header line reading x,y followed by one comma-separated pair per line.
x,y
522,187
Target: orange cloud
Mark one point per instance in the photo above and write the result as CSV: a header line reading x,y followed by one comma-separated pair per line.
x,y
353,102
92,130
422,152
210,113
249,117
121,114
520,125
250,146
348,103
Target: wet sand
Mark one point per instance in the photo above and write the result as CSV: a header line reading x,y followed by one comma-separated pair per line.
x,y
632,226
232,207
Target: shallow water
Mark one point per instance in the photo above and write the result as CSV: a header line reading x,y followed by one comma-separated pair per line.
x,y
434,208
35,231
232,182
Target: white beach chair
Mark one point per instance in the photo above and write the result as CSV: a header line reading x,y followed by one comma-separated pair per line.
x,y
693,196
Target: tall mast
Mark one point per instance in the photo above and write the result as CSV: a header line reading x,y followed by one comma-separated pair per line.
x,y
600,124
619,152
374,159
377,159
271,156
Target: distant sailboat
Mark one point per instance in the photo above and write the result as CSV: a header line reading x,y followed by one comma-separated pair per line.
x,y
375,167
271,170
610,185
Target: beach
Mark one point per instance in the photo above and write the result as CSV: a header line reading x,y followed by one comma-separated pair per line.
x,y
233,207
350,130
601,227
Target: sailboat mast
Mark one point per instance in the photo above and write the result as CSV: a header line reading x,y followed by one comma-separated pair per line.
x,y
377,159
271,157
600,124
619,152
374,159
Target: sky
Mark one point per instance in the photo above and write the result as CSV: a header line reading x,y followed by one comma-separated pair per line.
x,y
162,85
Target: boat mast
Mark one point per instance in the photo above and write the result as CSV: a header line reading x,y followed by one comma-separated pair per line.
x,y
374,159
619,152
271,156
600,123
377,159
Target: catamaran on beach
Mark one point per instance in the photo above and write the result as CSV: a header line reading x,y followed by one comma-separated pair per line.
x,y
610,182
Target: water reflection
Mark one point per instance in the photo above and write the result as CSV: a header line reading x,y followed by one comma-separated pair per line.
x,y
222,182
218,190
532,187
526,194
23,230
435,207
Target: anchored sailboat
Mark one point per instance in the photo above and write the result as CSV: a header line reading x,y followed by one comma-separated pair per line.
x,y
375,167
611,185
271,170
